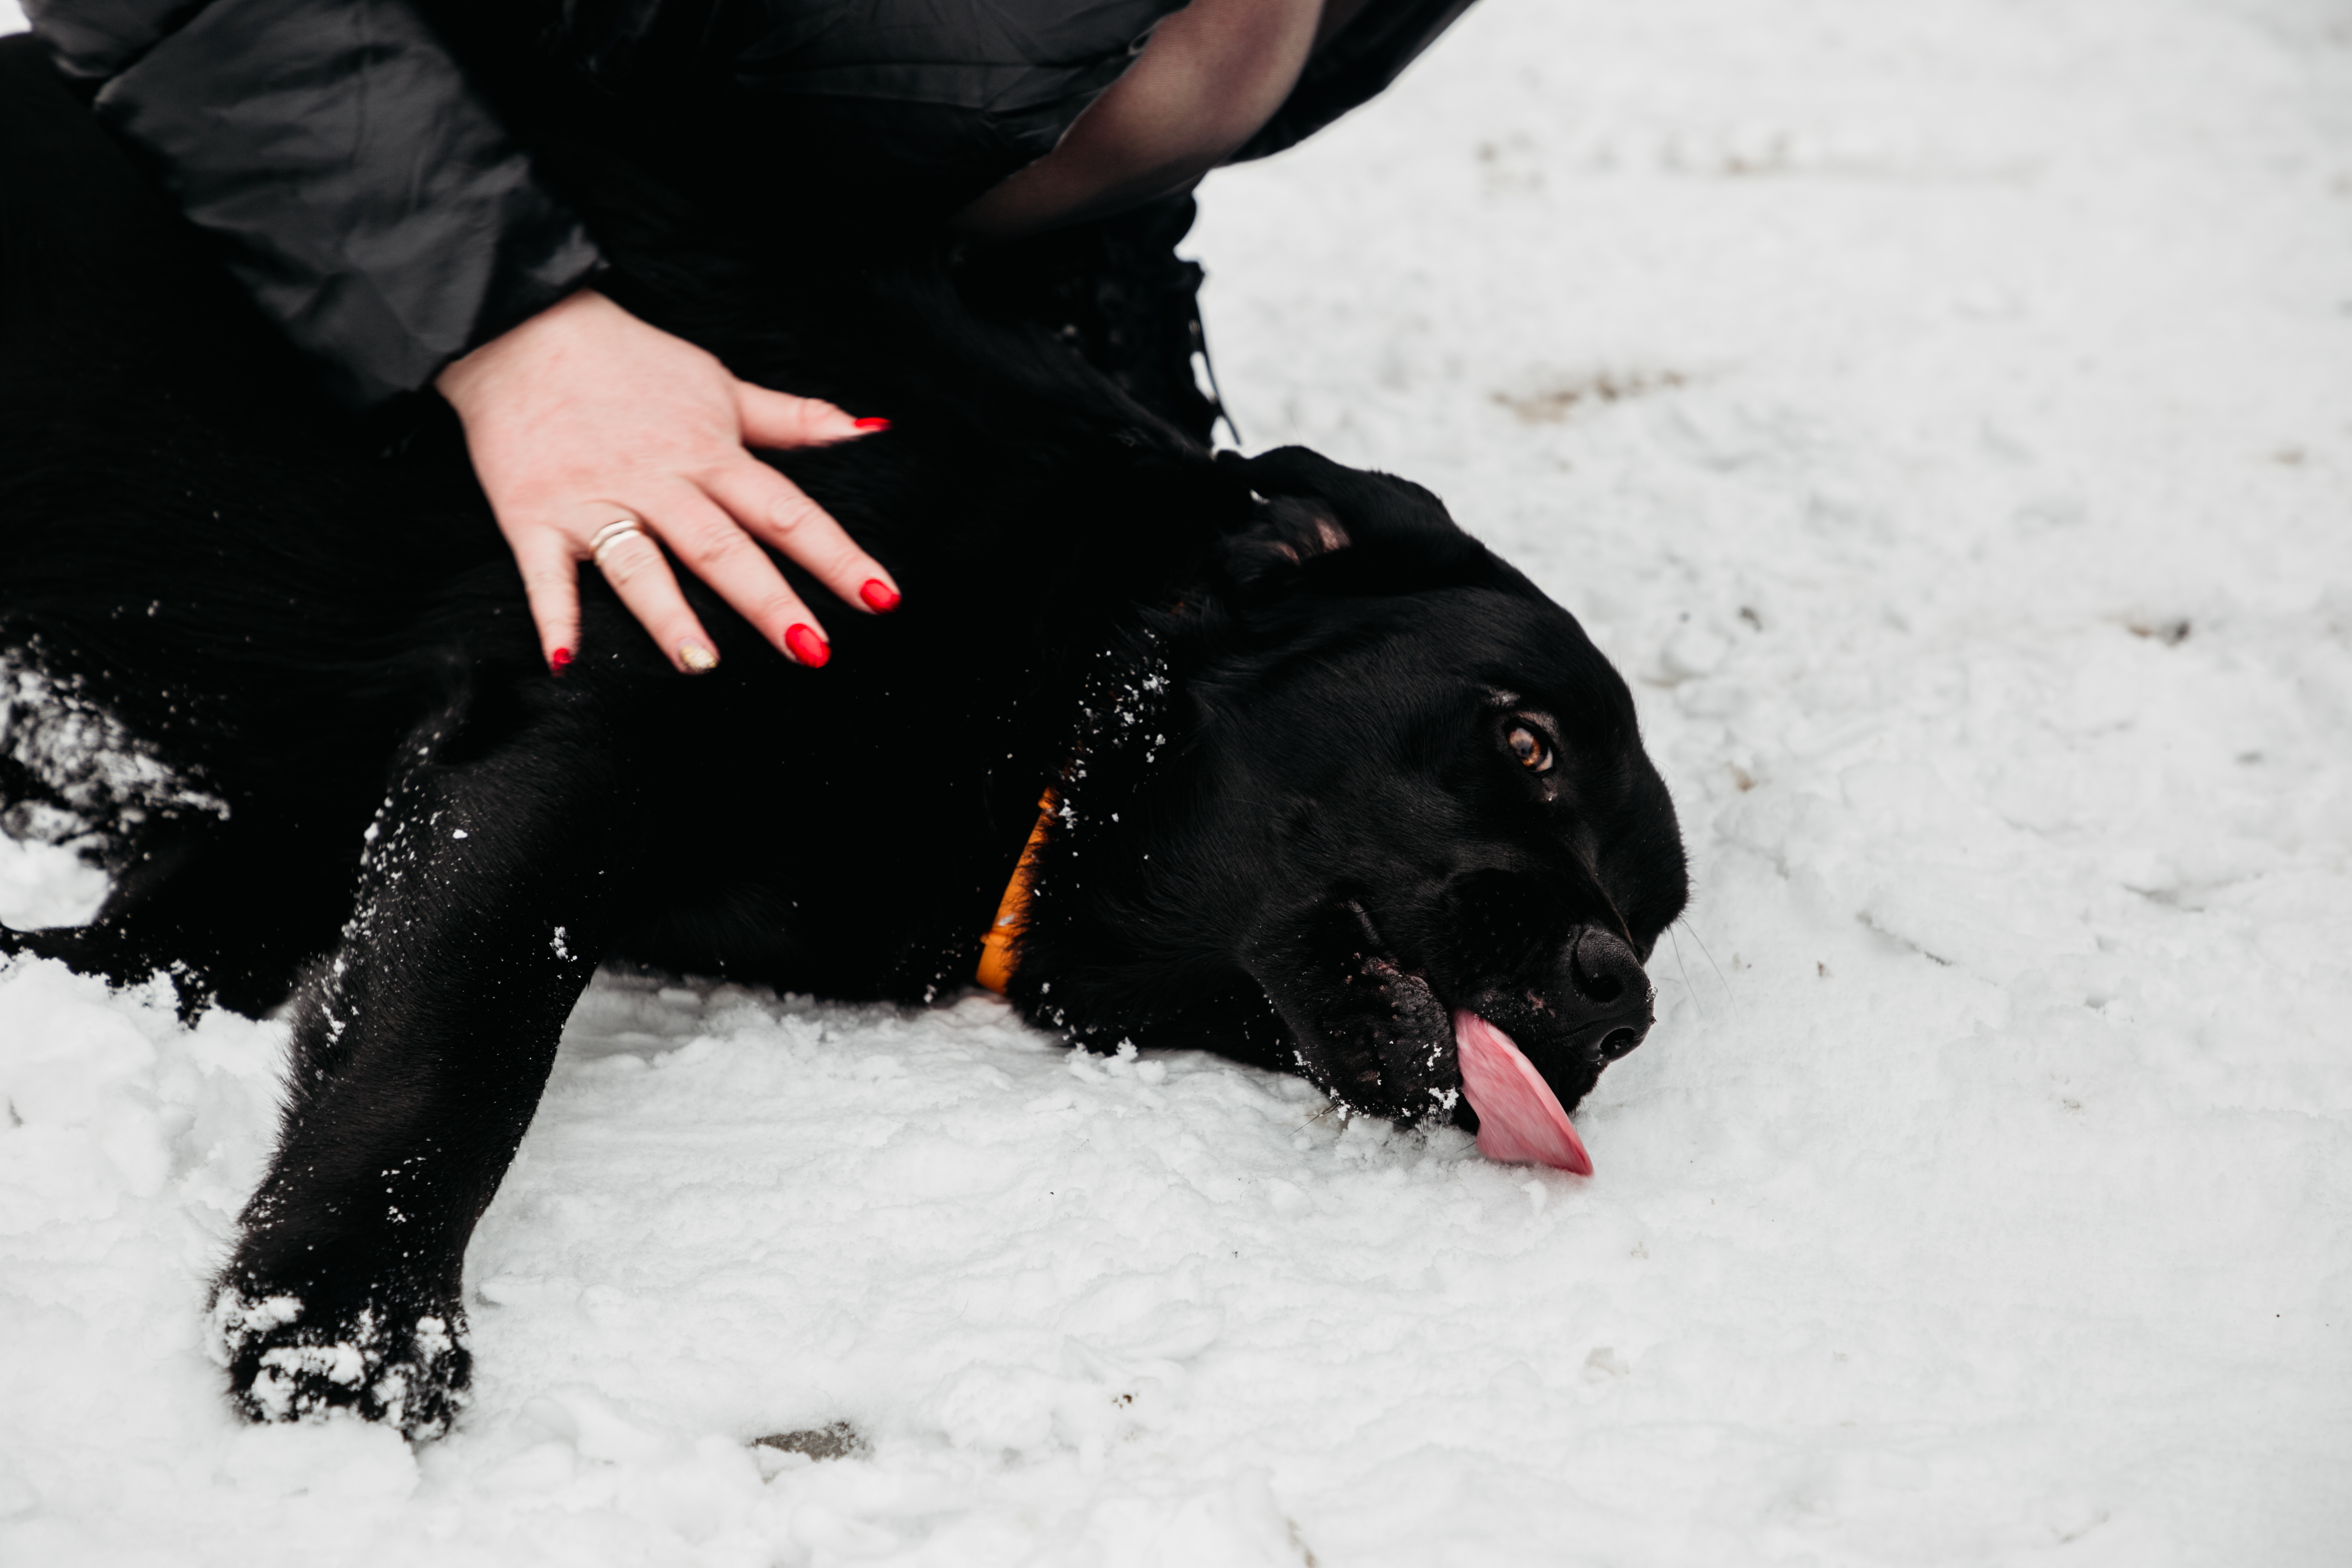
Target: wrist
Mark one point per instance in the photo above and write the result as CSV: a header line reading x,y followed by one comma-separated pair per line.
x,y
460,378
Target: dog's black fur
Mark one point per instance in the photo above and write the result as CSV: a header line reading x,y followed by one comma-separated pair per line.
x,y
1277,698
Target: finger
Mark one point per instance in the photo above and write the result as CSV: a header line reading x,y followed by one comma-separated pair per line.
x,y
778,419
715,548
774,510
633,564
551,582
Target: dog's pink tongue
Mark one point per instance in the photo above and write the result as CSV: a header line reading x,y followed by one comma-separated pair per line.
x,y
1520,1119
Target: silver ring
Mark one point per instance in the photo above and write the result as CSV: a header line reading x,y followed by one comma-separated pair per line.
x,y
611,533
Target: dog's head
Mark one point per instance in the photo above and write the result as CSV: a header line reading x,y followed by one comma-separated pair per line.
x,y
1412,806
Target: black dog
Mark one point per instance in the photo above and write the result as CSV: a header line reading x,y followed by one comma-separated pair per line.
x,y
1327,777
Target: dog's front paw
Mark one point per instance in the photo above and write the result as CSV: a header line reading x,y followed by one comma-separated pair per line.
x,y
290,1359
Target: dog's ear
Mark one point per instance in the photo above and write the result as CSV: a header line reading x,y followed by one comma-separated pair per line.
x,y
1308,528
1310,507
1283,533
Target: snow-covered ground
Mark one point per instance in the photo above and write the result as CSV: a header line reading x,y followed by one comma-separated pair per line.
x,y
1945,412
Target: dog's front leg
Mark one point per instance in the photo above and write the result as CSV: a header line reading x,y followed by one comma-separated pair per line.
x,y
420,1050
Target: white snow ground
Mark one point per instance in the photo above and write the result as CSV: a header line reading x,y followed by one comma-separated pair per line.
x,y
1945,411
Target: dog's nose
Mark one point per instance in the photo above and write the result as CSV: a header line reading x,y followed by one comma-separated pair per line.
x,y
1611,1011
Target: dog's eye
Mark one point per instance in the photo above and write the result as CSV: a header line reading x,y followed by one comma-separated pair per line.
x,y
1529,749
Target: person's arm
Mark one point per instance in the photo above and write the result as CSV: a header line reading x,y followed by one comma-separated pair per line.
x,y
382,218
368,199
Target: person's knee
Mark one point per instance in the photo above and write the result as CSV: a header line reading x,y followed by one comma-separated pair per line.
x,y
1212,74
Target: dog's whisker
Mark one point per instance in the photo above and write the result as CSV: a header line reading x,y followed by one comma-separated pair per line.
x,y
1719,977
1688,989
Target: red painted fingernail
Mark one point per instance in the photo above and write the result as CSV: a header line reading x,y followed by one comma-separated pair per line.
x,y
879,597
807,646
558,659
873,424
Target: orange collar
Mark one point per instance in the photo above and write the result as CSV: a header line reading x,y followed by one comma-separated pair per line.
x,y
998,956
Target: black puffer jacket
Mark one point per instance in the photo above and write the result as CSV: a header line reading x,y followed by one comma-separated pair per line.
x,y
348,155
374,205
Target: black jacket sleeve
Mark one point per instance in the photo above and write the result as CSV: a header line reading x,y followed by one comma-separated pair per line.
x,y
365,196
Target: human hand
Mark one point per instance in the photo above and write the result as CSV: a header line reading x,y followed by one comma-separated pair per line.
x,y
584,416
